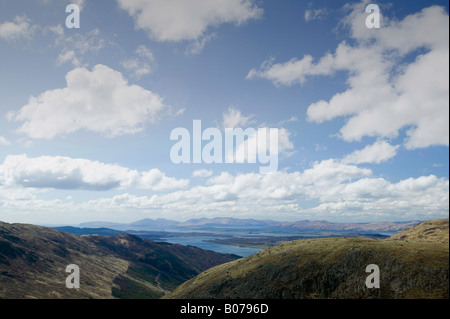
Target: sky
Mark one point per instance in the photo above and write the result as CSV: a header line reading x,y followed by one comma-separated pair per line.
x,y
89,112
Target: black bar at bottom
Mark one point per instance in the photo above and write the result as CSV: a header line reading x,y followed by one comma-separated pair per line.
x,y
239,309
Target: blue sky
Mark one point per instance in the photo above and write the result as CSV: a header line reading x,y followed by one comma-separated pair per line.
x,y
86,113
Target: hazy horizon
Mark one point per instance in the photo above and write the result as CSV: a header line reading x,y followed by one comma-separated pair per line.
x,y
82,224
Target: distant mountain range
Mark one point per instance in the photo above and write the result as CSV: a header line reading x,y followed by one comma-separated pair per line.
x,y
223,222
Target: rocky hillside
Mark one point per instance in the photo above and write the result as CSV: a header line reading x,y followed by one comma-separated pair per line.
x,y
33,261
435,231
332,268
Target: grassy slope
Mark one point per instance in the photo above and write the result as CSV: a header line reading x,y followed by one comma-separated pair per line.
x,y
331,268
430,231
33,260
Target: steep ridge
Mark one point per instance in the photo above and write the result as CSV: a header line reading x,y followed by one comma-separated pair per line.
x,y
331,268
33,261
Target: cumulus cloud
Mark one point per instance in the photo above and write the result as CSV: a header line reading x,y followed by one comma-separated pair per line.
x,y
158,181
99,101
378,152
341,191
177,20
328,189
202,173
413,198
58,172
243,193
257,142
387,90
256,145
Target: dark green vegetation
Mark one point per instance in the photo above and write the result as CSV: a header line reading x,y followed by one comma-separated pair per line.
x,y
413,264
33,260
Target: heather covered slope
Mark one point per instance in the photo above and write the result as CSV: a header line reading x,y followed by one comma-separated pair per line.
x,y
33,260
330,268
430,231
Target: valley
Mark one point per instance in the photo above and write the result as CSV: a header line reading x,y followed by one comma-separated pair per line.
x,y
242,237
33,260
285,262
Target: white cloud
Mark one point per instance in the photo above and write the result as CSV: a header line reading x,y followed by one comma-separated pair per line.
x,y
138,68
233,118
378,152
176,20
74,47
145,52
4,141
58,29
202,173
292,119
342,191
424,197
262,146
293,71
197,46
68,56
309,184
315,14
63,173
158,181
243,193
79,3
142,64
329,189
284,141
19,28
331,172
99,101
387,91
180,112
58,172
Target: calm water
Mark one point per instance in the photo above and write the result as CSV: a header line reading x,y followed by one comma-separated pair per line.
x,y
201,242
